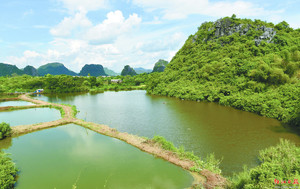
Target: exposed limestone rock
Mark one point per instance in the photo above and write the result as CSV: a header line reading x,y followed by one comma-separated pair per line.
x,y
226,27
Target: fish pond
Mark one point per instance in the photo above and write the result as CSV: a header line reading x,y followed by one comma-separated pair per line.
x,y
15,103
71,156
232,135
29,116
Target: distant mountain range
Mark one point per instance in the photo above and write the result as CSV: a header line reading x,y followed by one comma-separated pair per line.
x,y
142,70
57,68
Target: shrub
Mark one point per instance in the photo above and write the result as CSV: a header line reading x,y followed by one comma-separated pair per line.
x,y
5,130
8,172
278,164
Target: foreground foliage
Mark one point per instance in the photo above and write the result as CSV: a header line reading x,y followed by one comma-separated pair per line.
x,y
8,172
234,70
5,130
278,164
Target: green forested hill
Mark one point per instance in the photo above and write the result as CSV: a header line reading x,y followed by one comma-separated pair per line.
x,y
160,65
127,70
92,69
249,65
30,70
7,70
54,69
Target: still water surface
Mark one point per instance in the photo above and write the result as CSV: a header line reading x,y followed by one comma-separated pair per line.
x,y
234,135
29,116
15,103
71,155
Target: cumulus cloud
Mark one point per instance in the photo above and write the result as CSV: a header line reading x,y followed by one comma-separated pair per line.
x,y
114,25
68,24
178,9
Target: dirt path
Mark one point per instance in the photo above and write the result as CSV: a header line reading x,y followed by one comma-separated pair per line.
x,y
205,177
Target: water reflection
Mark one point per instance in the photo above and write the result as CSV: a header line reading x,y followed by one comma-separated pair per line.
x,y
63,156
15,103
29,116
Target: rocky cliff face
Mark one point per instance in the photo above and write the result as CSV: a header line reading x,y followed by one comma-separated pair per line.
x,y
226,27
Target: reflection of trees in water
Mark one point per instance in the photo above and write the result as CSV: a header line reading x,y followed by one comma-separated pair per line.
x,y
5,143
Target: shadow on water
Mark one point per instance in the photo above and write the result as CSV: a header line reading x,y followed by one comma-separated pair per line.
x,y
6,143
284,128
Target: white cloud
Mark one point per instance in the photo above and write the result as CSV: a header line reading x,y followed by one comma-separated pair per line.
x,y
179,9
68,24
114,25
88,5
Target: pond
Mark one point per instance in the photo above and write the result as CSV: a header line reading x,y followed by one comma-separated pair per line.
x,y
15,103
71,155
29,116
234,135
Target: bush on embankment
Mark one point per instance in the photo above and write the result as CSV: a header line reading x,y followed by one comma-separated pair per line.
x,y
279,164
5,130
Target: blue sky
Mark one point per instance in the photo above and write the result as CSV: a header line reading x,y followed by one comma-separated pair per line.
x,y
115,33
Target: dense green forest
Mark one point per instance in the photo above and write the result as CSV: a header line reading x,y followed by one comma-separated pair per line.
x,y
67,84
249,65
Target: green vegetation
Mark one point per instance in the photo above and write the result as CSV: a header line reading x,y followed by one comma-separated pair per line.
x,y
30,70
8,171
278,164
54,69
5,130
210,163
7,69
127,70
92,70
68,84
160,65
239,63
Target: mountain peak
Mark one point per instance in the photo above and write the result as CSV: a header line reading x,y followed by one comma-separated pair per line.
x,y
92,69
55,68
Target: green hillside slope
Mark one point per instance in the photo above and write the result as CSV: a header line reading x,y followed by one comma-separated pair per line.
x,y
54,69
92,69
8,70
160,65
249,65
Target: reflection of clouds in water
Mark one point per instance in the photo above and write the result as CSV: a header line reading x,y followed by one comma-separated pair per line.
x,y
85,143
